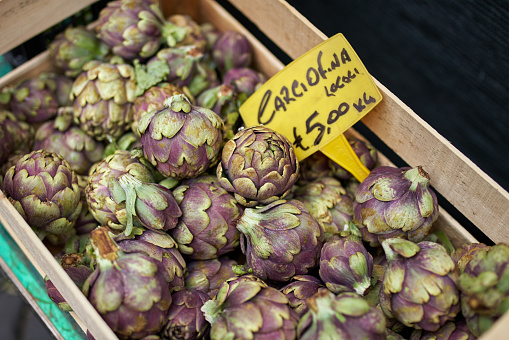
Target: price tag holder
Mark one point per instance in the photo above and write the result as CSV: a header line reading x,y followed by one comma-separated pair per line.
x,y
315,99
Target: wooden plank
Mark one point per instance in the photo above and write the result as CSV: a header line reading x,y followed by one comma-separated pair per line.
x,y
24,19
38,254
484,202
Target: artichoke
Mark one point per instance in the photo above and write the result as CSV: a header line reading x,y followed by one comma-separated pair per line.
x,y
207,276
74,47
70,142
181,140
484,287
99,197
44,189
160,247
258,165
419,284
152,204
462,255
34,100
129,141
185,319
16,137
395,202
327,202
78,273
244,80
128,290
211,33
314,167
231,50
135,29
280,240
346,265
250,310
366,152
152,99
343,316
451,330
209,214
103,95
193,31
300,289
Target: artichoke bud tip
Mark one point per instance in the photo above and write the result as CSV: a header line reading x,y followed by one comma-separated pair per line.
x,y
417,176
178,103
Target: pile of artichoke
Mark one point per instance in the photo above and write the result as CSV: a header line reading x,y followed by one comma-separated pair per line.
x,y
177,222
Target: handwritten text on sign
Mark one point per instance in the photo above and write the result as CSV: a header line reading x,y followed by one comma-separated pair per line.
x,y
315,98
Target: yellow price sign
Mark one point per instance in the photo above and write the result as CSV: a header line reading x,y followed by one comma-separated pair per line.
x,y
316,98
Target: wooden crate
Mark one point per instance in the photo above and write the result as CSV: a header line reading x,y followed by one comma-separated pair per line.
x,y
454,176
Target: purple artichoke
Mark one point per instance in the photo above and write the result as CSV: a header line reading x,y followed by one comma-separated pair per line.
x,y
367,154
314,167
207,276
128,290
419,284
152,99
462,255
181,140
244,80
258,165
484,287
103,95
160,247
206,229
185,319
70,142
327,202
152,204
44,189
280,240
34,100
346,265
74,47
300,289
16,137
250,310
231,50
136,28
102,176
193,32
344,316
452,330
78,273
395,202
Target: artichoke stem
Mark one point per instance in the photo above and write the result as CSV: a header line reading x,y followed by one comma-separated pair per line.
x,y
417,176
104,245
129,184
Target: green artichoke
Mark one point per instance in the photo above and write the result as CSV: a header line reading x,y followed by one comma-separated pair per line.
x,y
258,165
484,287
103,95
193,31
250,310
346,265
102,175
74,47
419,284
280,240
207,276
327,202
44,189
462,255
128,290
181,140
395,202
344,316
70,142
209,215
185,319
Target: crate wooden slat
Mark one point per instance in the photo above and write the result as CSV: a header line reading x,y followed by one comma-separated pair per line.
x,y
24,19
483,201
